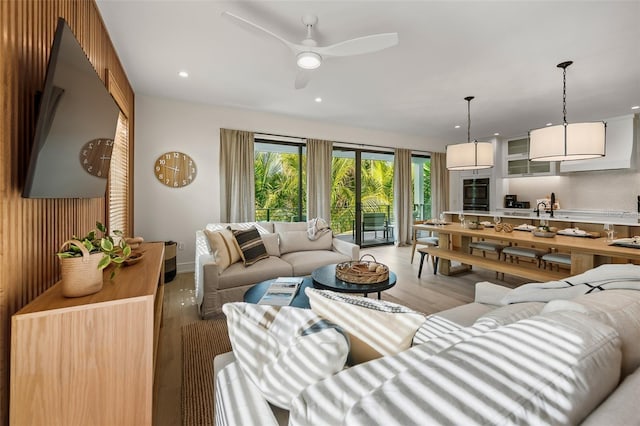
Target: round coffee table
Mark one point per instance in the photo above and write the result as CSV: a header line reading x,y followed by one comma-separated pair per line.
x,y
300,300
325,278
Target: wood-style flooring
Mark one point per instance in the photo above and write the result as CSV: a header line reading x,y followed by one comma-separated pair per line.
x,y
428,294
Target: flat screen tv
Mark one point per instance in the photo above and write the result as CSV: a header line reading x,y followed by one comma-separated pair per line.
x,y
75,128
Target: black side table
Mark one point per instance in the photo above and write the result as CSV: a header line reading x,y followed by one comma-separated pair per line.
x,y
325,278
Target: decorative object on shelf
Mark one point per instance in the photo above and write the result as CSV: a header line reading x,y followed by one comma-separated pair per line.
x,y
362,272
133,259
175,169
95,157
564,142
134,242
82,261
469,156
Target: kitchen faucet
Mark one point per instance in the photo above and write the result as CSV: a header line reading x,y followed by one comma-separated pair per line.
x,y
552,202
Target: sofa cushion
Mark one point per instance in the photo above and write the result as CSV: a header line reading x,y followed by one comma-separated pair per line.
x,y
619,309
293,241
250,244
304,262
509,314
375,327
551,369
222,244
262,227
238,275
283,349
620,408
272,244
279,227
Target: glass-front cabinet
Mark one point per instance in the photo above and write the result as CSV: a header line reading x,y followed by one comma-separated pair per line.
x,y
517,162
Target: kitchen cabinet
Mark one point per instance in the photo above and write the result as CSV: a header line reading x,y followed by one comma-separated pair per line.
x,y
517,164
618,149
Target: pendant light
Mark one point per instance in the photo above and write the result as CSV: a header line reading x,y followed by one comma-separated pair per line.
x,y
564,142
471,155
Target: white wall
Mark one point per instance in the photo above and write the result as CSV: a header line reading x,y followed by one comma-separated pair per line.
x,y
162,213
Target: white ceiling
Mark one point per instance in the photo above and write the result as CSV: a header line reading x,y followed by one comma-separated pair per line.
x,y
503,53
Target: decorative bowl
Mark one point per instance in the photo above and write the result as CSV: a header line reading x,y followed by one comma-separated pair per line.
x,y
133,259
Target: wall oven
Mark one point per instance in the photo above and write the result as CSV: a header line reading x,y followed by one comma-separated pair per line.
x,y
475,194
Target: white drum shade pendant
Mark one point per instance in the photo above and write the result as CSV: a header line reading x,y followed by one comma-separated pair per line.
x,y
567,141
471,155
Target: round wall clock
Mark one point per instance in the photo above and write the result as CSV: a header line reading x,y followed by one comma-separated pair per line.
x,y
175,169
95,157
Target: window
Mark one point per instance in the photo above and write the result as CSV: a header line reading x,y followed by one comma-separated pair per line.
x,y
421,178
280,181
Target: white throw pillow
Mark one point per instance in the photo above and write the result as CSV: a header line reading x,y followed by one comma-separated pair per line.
x,y
272,244
293,241
282,350
375,327
619,309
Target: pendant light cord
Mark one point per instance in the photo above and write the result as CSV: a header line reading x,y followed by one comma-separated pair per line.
x,y
468,99
564,95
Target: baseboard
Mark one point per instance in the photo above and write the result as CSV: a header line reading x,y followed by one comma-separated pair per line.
x,y
186,267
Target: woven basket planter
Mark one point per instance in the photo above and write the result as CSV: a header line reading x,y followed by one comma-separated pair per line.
x,y
362,272
80,275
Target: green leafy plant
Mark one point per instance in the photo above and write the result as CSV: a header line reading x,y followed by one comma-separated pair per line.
x,y
113,253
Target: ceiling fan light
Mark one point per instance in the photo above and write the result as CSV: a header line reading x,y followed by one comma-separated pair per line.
x,y
470,156
309,60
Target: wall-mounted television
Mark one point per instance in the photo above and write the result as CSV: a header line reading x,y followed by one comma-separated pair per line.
x,y
75,128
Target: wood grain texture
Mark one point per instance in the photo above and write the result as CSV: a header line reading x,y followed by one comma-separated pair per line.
x,y
31,230
89,360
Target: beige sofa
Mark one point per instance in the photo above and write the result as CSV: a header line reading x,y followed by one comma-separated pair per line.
x,y
601,390
291,254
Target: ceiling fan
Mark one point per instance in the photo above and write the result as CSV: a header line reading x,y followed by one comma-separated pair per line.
x,y
309,55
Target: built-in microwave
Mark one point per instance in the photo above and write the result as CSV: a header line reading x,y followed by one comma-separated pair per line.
x,y
475,194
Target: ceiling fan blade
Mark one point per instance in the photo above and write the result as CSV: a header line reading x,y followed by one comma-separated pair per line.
x,y
257,29
360,45
302,79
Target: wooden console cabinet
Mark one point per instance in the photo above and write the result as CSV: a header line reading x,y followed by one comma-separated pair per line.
x,y
90,360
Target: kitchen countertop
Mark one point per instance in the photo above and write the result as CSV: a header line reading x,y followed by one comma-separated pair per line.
x,y
561,215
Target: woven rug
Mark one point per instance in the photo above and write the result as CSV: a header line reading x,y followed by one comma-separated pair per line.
x,y
201,342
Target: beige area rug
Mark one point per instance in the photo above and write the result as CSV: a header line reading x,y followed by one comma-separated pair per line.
x,y
201,342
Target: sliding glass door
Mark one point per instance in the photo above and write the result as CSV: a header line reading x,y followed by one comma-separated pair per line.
x,y
362,196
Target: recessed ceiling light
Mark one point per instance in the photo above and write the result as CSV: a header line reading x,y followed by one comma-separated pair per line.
x,y
457,126
318,99
496,134
549,124
183,74
635,107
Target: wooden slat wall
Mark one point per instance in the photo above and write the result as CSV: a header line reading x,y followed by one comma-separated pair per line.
x,y
31,230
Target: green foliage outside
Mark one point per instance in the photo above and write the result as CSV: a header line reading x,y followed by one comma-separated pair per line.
x,y
277,189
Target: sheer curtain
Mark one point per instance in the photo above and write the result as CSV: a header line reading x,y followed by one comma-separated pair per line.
x,y
319,160
402,196
439,183
237,190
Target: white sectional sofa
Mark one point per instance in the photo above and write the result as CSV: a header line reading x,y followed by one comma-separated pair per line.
x,y
291,254
565,361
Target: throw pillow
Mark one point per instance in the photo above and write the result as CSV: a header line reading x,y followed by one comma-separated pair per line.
x,y
291,241
250,245
272,244
375,327
282,350
620,309
223,246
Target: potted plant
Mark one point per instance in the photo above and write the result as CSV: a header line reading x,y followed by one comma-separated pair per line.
x,y
82,260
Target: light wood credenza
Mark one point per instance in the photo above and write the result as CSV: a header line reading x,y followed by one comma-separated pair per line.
x,y
90,360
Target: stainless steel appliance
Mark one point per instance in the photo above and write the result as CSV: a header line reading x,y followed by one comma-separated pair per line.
x,y
475,194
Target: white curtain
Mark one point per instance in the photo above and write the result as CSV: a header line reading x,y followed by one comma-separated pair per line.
x,y
402,196
237,191
439,184
319,159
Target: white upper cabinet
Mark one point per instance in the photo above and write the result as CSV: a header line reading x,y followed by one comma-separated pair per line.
x,y
517,164
618,149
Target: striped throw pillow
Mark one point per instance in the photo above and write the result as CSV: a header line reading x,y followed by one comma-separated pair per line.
x,y
250,245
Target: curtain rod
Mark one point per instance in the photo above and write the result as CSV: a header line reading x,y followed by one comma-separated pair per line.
x,y
301,139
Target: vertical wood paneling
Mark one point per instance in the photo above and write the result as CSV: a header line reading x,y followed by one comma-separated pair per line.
x,y
32,230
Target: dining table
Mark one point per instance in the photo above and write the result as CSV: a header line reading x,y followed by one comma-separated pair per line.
x,y
587,251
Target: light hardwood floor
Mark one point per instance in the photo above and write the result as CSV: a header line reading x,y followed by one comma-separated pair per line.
x,y
428,294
